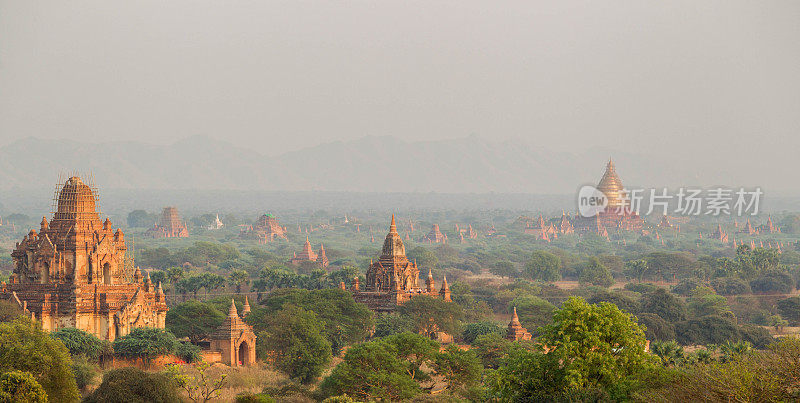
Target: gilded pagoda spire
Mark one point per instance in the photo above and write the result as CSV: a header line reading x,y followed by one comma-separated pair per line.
x,y
611,186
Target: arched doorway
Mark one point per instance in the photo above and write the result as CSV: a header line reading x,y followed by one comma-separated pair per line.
x,y
45,273
244,354
106,273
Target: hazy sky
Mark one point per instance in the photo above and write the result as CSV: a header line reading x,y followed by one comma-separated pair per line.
x,y
665,76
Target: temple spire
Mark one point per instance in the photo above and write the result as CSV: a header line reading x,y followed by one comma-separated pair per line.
x,y
246,307
232,311
392,226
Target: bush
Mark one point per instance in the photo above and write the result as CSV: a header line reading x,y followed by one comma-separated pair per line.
x,y
188,352
730,286
473,330
254,398
392,323
20,386
85,372
757,336
622,301
79,342
145,343
710,329
131,385
656,328
641,288
24,346
193,319
773,282
789,309
686,286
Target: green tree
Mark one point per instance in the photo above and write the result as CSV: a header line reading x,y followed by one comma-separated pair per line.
x,y
145,343
596,345
386,368
461,368
429,314
665,305
238,278
789,308
25,347
20,386
194,319
636,269
392,323
132,385
704,301
596,273
424,257
79,342
294,341
473,330
504,268
543,266
141,219
344,321
533,311
211,282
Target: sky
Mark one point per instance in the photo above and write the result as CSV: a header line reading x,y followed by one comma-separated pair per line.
x,y
717,79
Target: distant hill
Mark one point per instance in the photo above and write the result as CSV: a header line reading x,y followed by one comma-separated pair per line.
x,y
370,164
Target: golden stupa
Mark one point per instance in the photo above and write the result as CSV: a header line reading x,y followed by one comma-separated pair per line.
x,y
611,186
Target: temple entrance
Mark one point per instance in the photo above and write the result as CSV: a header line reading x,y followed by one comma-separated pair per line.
x,y
244,354
106,274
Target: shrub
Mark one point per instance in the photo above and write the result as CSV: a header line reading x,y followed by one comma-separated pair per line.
x,y
773,281
254,398
656,328
85,372
26,347
710,329
730,286
79,342
473,330
20,386
131,385
188,352
789,309
686,286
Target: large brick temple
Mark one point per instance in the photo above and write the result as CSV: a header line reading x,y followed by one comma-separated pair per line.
x,y
169,225
73,272
394,279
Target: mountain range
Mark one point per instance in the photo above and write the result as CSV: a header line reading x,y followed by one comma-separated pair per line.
x,y
370,164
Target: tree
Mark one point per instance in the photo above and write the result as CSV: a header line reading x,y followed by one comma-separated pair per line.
x,y
711,329
665,305
140,219
461,368
238,278
20,386
533,311
543,266
596,273
669,352
134,385
789,308
636,269
174,274
145,343
704,301
392,323
382,369
294,341
596,345
504,268
159,277
656,328
344,321
473,330
424,257
79,342
773,281
429,314
26,347
194,319
212,281
622,300
198,382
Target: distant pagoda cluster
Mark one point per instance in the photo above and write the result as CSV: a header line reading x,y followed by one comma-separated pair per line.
x,y
265,229
73,272
615,217
169,225
394,279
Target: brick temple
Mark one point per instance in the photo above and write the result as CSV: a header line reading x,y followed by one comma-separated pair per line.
x,y
394,279
265,229
307,255
169,225
73,272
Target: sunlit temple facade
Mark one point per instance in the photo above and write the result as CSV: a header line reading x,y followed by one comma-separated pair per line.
x,y
73,272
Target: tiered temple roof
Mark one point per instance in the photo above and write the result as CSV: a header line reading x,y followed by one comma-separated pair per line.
x,y
169,225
